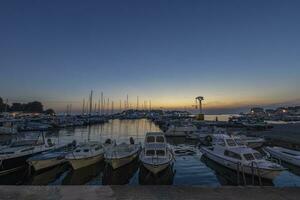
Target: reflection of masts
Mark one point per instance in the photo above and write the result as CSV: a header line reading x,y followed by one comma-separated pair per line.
x,y
91,102
101,110
83,104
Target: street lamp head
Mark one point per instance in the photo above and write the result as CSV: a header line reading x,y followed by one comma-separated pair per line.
x,y
200,98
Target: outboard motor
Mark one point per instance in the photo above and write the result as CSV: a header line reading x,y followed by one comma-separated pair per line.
x,y
108,141
49,142
131,140
74,143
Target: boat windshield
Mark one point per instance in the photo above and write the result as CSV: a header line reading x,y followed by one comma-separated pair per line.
x,y
239,142
231,142
160,139
258,156
160,152
150,153
150,139
232,155
249,156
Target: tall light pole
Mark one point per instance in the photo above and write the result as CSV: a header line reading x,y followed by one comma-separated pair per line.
x,y
200,115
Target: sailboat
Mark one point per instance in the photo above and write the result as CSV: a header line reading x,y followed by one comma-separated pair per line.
x,y
118,155
87,153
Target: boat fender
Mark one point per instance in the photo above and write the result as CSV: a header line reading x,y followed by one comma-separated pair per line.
x,y
208,139
131,140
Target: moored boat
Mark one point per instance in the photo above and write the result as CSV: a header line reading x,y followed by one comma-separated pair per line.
x,y
241,158
156,154
15,155
180,131
85,154
283,154
118,155
52,158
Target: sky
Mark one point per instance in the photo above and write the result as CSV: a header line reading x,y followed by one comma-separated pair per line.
x,y
236,54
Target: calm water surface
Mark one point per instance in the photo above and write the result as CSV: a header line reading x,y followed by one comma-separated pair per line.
x,y
188,169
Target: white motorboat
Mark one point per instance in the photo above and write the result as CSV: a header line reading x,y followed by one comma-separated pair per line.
x,y
180,131
283,154
15,155
85,154
205,133
156,154
227,152
118,155
52,158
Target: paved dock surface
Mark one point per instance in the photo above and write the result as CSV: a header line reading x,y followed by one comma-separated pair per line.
x,y
145,192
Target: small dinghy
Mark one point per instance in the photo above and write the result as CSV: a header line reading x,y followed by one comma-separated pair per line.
x,y
52,158
283,154
85,154
121,154
156,155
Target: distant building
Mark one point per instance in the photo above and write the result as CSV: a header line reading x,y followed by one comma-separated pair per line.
x,y
257,111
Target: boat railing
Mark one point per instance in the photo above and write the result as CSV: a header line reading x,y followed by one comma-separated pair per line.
x,y
240,169
255,169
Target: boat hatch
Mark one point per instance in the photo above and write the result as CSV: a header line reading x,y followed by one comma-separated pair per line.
x,y
231,142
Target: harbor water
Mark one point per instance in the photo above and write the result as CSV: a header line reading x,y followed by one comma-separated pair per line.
x,y
189,168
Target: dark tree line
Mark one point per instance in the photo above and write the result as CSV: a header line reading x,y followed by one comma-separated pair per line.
x,y
35,106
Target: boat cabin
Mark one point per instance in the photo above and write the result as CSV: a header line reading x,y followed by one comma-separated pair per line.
x,y
155,145
229,147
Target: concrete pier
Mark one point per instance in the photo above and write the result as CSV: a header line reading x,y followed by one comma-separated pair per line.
x,y
145,192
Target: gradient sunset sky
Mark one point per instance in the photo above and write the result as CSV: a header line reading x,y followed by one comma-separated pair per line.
x,y
234,53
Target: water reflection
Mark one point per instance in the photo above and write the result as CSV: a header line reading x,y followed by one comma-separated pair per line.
x,y
16,178
87,175
120,176
49,176
119,130
165,177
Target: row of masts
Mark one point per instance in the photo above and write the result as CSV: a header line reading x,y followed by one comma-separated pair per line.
x,y
105,105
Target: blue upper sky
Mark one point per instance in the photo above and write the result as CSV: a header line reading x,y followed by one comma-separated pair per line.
x,y
234,53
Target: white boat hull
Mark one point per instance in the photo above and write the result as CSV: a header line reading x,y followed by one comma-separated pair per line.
x,y
283,157
155,169
44,164
119,162
263,173
84,162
